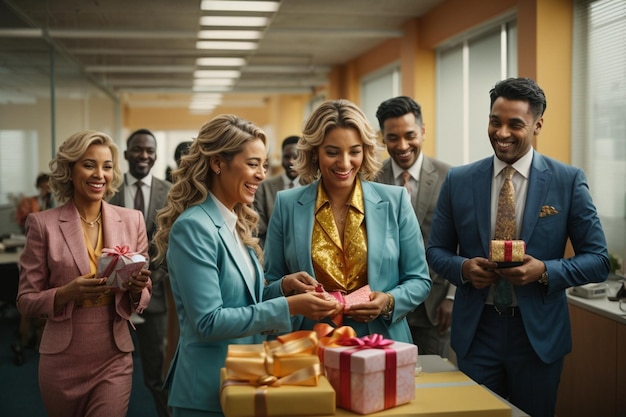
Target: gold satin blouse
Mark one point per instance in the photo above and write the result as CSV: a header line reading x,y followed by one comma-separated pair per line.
x,y
340,265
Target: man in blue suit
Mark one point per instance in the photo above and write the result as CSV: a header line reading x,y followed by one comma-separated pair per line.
x,y
517,352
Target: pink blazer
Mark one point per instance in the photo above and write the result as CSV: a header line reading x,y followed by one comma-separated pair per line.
x,y
55,254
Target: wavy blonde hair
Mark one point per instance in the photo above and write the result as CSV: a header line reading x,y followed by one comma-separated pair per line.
x,y
70,152
329,115
225,136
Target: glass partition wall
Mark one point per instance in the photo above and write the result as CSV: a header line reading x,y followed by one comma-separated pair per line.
x,y
44,98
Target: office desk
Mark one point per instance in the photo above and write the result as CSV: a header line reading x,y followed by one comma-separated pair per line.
x,y
593,381
9,258
442,388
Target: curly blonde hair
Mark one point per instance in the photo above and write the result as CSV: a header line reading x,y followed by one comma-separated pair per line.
x,y
329,115
70,152
225,136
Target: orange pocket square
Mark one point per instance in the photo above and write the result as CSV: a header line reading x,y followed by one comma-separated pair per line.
x,y
547,211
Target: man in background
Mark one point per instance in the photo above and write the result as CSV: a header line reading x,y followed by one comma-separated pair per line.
x,y
141,191
266,193
40,202
181,149
403,134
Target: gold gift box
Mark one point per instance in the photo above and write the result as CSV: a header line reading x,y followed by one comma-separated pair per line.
x,y
240,399
507,253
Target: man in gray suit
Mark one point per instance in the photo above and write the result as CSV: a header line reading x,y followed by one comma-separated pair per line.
x,y
149,196
403,133
266,193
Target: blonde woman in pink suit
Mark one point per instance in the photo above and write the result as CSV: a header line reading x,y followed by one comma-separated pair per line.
x,y
85,365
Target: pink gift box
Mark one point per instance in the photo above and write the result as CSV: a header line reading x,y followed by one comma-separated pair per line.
x,y
368,380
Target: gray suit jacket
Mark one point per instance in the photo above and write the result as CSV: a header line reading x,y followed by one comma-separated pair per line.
x,y
264,202
158,198
431,177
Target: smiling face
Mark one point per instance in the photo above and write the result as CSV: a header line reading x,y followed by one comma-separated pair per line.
x,y
141,154
512,129
240,177
91,174
340,158
403,137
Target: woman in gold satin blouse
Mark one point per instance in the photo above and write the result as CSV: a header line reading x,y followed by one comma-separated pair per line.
x,y
346,231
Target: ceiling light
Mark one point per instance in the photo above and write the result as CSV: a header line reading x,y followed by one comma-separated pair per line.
x,y
244,6
229,34
216,74
211,88
240,21
225,45
213,81
220,62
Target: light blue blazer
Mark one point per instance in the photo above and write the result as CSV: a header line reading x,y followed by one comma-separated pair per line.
x,y
396,259
216,304
462,221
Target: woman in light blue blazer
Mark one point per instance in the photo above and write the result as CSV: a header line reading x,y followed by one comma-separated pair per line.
x,y
346,231
205,236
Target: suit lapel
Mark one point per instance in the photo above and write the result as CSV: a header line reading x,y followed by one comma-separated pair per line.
x,y
481,180
158,193
538,181
376,225
113,228
69,223
231,245
427,186
303,216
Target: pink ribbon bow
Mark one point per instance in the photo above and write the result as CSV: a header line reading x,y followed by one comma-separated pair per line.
x,y
123,250
372,341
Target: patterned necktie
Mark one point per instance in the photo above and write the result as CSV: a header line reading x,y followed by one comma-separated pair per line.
x,y
406,176
505,230
139,202
290,184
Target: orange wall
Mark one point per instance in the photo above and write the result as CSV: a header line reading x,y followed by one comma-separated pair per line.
x,y
544,54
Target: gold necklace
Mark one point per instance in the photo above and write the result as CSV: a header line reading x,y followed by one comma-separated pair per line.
x,y
342,214
93,223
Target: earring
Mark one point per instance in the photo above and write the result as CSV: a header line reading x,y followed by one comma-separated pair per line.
x,y
218,172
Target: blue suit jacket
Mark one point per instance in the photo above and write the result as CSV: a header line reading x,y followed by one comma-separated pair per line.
x,y
396,260
215,303
461,230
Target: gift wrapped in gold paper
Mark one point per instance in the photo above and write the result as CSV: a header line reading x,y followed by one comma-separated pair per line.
x,y
241,399
277,378
507,253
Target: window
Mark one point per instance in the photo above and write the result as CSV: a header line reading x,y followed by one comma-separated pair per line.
x,y
598,109
378,87
484,56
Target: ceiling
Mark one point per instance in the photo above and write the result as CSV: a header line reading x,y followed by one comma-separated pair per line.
x,y
139,48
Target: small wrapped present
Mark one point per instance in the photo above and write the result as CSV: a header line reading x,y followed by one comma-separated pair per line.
x,y
371,373
278,378
362,295
118,264
507,253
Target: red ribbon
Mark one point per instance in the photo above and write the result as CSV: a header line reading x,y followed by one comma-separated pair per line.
x,y
374,341
508,250
116,251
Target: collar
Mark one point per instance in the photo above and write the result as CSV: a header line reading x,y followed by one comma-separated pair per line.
x,y
522,165
230,218
414,169
287,180
355,200
130,180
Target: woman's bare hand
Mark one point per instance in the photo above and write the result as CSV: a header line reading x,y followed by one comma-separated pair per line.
x,y
313,306
298,283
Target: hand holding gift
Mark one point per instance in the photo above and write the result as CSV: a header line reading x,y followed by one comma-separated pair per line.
x,y
123,268
360,296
